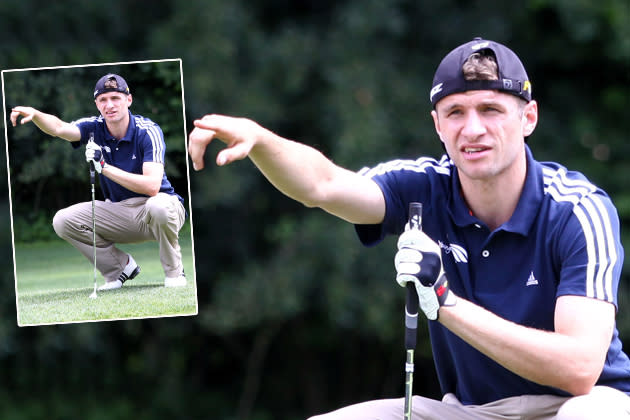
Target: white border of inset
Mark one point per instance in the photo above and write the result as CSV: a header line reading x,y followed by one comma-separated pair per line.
x,y
6,138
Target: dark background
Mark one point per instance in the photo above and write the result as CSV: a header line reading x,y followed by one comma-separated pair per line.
x,y
295,317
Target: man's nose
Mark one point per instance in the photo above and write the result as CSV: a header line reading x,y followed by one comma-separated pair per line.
x,y
473,125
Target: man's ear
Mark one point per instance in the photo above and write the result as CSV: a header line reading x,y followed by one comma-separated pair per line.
x,y
129,100
436,123
530,118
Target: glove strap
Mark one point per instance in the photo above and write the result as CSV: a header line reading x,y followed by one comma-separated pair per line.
x,y
443,292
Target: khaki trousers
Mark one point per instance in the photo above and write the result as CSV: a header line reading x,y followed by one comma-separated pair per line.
x,y
602,403
134,220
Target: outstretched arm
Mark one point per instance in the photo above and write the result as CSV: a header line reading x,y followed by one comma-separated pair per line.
x,y
297,170
49,124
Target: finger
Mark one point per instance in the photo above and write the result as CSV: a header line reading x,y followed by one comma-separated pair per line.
x,y
222,126
236,152
202,123
208,122
198,164
26,119
15,114
196,155
199,140
407,255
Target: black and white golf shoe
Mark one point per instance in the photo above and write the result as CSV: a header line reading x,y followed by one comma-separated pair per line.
x,y
130,271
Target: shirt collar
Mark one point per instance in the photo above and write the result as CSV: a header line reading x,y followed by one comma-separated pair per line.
x,y
130,129
526,209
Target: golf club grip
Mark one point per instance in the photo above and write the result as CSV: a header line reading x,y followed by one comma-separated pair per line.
x,y
92,175
411,303
411,317
415,215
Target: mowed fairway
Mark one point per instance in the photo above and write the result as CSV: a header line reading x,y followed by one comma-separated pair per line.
x,y
54,282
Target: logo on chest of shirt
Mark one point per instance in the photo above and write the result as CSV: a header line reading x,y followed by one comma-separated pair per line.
x,y
459,253
107,149
531,280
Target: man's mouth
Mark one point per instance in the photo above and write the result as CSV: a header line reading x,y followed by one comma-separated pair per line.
x,y
471,150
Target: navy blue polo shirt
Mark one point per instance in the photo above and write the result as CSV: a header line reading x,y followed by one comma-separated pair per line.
x,y
563,239
143,142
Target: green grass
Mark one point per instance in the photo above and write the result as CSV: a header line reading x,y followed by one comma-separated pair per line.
x,y
54,282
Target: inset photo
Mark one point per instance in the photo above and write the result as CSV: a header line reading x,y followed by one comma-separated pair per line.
x,y
99,192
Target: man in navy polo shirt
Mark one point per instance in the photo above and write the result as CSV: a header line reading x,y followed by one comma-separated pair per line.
x,y
140,203
521,292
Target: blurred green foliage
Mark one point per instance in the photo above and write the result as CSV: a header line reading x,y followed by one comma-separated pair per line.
x,y
295,317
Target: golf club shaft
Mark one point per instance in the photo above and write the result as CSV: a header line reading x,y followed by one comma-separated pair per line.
x,y
92,182
411,327
411,317
93,221
408,384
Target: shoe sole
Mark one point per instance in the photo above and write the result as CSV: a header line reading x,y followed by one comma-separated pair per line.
x,y
134,273
106,287
175,283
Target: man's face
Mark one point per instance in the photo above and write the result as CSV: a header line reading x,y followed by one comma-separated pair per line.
x,y
113,106
483,132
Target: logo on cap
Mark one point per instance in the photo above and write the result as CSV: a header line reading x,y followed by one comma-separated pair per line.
x,y
111,83
480,45
436,89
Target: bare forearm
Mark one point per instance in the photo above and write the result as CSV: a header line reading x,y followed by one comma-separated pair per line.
x,y
306,175
53,126
544,357
137,183
293,168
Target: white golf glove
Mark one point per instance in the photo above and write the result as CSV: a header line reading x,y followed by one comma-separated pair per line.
x,y
419,260
93,153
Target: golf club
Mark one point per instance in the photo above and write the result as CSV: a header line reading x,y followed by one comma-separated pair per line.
x,y
92,181
411,317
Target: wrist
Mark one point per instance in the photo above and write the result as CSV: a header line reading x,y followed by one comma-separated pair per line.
x,y
264,141
443,291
